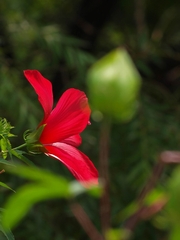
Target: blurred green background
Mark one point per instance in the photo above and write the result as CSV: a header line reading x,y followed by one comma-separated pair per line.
x,y
61,39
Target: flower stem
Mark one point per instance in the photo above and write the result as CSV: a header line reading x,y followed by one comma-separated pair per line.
x,y
21,146
104,175
85,222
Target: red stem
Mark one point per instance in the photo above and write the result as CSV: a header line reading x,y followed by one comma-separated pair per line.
x,y
104,175
85,222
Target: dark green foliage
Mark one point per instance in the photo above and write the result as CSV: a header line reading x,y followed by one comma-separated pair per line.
x,y
38,35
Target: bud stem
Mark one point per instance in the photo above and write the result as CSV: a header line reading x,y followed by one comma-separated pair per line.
x,y
21,146
104,174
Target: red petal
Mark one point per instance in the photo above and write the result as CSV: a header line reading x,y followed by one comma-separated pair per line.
x,y
73,140
69,117
43,88
77,162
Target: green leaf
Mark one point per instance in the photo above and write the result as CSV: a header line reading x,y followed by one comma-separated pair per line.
x,y
171,216
46,186
3,142
26,197
6,232
5,128
154,195
19,155
76,188
6,186
95,191
118,234
39,175
173,206
127,211
175,232
6,162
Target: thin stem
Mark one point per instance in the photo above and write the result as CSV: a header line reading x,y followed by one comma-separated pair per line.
x,y
134,219
21,146
139,15
104,175
151,183
2,171
85,222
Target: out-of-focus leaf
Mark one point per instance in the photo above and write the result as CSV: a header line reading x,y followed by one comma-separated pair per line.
x,y
95,191
40,176
175,232
46,186
25,197
118,234
153,196
5,232
76,188
173,206
127,212
6,186
6,162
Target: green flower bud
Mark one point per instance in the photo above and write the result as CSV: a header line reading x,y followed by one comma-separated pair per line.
x,y
114,84
32,140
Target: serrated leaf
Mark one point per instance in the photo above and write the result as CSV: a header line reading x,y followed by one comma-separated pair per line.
x,y
5,128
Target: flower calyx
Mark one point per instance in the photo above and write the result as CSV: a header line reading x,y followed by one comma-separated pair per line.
x,y
32,140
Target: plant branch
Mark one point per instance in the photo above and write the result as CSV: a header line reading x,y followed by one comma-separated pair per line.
x,y
85,222
151,183
104,175
19,147
166,157
139,15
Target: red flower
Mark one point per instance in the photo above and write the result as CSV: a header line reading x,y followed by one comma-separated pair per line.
x,y
62,126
